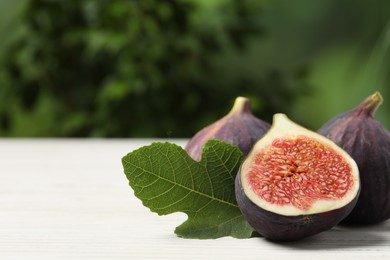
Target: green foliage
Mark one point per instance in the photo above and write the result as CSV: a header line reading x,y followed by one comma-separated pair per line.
x,y
167,180
134,68
143,68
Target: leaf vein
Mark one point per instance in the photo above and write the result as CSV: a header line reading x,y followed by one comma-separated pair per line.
x,y
185,187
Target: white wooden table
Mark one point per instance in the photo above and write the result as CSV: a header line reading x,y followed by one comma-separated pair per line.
x,y
69,199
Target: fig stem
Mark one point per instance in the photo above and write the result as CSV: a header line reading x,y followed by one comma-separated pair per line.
x,y
371,104
241,105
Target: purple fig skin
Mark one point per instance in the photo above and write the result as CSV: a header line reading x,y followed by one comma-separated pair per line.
x,y
281,228
368,143
240,127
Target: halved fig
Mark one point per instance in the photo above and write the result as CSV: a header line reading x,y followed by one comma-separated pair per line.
x,y
296,183
239,127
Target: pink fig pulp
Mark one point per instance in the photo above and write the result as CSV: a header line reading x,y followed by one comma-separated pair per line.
x,y
295,183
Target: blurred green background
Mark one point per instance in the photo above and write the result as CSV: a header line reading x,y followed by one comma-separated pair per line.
x,y
153,68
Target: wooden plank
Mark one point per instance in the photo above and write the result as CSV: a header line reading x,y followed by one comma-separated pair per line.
x,y
69,199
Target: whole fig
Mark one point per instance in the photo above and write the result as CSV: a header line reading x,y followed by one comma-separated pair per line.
x,y
368,142
239,127
295,183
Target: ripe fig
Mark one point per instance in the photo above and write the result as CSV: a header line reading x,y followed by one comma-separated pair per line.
x,y
295,183
239,127
368,142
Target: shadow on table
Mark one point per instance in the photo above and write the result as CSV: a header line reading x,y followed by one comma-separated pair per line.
x,y
344,237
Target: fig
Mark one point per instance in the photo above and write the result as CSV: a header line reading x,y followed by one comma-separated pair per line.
x,y
239,127
295,183
368,142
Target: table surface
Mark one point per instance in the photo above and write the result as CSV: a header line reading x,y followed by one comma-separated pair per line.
x,y
69,199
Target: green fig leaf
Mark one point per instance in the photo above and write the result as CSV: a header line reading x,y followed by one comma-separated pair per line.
x,y
167,180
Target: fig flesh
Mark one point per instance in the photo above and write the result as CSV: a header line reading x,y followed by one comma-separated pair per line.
x,y
368,142
239,127
295,183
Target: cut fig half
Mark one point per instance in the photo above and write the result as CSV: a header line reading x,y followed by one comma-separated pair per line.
x,y
295,183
